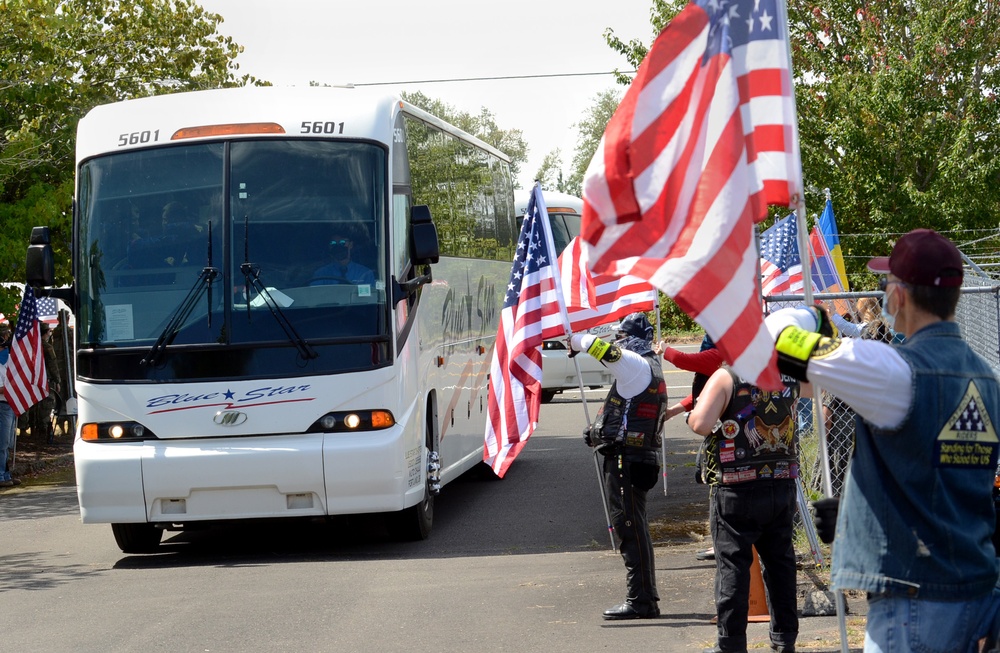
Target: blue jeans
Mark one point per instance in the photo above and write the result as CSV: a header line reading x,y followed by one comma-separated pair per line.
x,y
8,427
901,625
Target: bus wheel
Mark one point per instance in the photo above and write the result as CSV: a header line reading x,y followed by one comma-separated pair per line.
x,y
414,523
548,396
137,538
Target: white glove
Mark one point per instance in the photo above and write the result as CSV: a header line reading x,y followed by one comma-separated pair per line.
x,y
801,317
581,341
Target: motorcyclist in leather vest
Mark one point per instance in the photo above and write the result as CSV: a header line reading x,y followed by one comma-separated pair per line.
x,y
627,433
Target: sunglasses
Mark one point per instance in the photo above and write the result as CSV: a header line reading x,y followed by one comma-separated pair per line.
x,y
343,242
884,283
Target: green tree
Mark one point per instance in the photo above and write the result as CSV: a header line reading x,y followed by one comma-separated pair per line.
x,y
550,171
897,106
589,132
59,59
483,126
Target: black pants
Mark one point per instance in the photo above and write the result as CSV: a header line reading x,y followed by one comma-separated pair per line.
x,y
743,516
627,484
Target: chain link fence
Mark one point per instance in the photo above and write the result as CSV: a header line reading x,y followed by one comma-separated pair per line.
x,y
978,314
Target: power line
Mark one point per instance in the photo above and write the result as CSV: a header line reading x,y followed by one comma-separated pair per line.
x,y
490,79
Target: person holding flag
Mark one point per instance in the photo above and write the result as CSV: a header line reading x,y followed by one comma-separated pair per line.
x,y
25,381
913,525
8,420
627,433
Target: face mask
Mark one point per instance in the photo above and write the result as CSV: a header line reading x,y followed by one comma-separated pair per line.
x,y
890,318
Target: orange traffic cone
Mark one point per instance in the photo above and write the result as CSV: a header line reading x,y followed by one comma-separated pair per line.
x,y
757,612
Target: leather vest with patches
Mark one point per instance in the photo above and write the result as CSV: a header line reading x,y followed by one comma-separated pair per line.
x,y
634,423
755,438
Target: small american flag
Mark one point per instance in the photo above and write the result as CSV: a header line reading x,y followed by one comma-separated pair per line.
x,y
516,368
48,311
594,300
702,142
780,263
25,381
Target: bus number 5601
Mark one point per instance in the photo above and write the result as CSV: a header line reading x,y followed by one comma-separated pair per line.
x,y
136,138
320,127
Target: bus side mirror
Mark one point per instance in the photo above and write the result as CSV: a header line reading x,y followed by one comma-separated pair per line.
x,y
423,236
40,263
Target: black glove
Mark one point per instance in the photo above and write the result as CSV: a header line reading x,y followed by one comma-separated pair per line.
x,y
826,518
826,327
587,437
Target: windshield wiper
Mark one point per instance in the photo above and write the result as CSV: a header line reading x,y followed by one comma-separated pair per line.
x,y
251,275
181,314
183,310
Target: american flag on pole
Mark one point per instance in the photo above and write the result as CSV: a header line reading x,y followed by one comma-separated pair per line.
x,y
25,381
516,368
704,139
780,263
593,300
48,311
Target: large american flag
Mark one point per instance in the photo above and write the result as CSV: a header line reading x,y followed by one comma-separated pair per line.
x,y
25,381
516,368
702,142
592,300
780,263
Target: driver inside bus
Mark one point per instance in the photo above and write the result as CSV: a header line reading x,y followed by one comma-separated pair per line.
x,y
341,269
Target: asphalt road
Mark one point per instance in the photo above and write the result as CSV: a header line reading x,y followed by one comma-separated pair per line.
x,y
519,564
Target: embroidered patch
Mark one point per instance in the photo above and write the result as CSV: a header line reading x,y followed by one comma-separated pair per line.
x,y
968,438
825,347
765,472
634,439
647,411
727,451
730,428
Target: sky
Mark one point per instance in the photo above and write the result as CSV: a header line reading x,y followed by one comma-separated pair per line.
x,y
294,42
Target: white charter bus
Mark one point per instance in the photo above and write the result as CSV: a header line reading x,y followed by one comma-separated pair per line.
x,y
260,333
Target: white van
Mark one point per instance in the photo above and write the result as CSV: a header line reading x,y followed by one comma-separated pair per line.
x,y
558,370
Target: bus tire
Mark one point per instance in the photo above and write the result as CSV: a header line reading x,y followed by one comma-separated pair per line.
x,y
548,396
414,523
137,538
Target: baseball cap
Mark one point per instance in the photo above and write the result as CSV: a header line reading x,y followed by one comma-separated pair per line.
x,y
922,257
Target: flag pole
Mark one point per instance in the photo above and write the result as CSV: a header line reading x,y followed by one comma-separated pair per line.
x,y
800,214
543,211
663,440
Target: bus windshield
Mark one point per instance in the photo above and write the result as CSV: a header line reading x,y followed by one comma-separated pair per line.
x,y
261,241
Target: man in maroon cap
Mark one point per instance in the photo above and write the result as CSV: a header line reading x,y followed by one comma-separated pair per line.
x,y
916,515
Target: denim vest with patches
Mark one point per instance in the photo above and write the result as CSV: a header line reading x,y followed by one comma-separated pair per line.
x,y
916,515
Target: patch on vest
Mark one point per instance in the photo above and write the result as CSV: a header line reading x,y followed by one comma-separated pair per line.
x,y
968,438
727,451
730,428
634,439
647,411
742,475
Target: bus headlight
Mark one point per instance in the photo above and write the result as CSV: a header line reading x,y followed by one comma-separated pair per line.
x,y
120,431
358,420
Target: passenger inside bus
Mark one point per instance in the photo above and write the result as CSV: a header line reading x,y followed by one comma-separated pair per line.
x,y
182,241
341,269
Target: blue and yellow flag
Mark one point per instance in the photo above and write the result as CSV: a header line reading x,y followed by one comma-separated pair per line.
x,y
828,225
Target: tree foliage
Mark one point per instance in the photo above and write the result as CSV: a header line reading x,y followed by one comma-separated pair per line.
x,y
897,112
59,59
589,132
483,126
550,171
